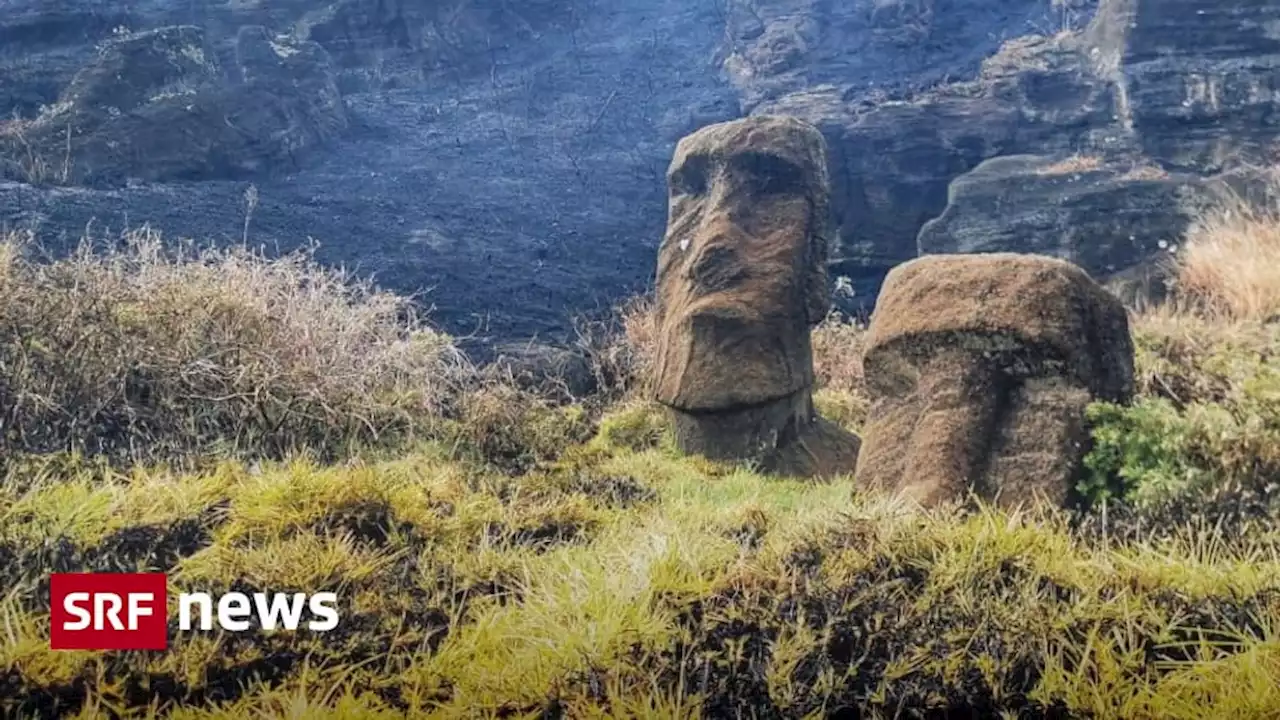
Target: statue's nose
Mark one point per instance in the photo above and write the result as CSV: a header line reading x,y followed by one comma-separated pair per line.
x,y
962,399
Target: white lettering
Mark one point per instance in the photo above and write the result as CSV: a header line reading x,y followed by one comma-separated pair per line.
x,y
185,601
289,612
107,606
236,610
136,610
229,617
319,607
71,603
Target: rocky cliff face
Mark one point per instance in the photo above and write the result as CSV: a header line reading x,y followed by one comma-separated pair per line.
x,y
506,159
1152,97
156,106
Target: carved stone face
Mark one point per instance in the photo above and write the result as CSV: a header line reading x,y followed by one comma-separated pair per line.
x,y
742,268
979,369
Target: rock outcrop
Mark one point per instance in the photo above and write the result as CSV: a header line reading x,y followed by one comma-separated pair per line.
x,y
1195,81
741,280
1177,87
156,106
554,372
1099,215
979,369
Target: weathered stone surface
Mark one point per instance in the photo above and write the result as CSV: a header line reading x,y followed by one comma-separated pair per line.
x,y
503,161
979,368
380,44
43,43
741,280
156,106
1099,214
1197,82
929,94
551,371
1182,86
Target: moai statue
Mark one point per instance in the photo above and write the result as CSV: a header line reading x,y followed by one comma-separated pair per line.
x,y
741,282
979,369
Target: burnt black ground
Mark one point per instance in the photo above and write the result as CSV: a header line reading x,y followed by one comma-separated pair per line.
x,y
508,200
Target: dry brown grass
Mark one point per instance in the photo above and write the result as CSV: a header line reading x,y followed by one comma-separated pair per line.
x,y
1145,171
23,161
1074,164
1220,316
144,353
621,348
1229,267
838,345
1205,423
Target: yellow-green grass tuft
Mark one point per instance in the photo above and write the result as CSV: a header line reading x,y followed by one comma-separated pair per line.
x,y
699,591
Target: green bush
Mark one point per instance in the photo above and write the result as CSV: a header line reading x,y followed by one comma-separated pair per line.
x,y
1154,451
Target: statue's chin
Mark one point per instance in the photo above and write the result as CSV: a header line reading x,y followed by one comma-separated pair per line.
x,y
724,377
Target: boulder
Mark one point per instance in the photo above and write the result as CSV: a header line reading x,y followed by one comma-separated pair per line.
x,y
157,106
1104,214
741,280
545,369
979,369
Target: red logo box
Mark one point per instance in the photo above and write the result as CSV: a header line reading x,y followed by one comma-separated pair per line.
x,y
108,611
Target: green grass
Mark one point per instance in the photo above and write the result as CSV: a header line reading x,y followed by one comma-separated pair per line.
x,y
501,554
625,581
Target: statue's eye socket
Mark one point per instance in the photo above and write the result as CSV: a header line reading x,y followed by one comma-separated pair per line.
x,y
769,174
691,177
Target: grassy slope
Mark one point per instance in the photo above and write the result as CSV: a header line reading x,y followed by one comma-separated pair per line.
x,y
525,560
624,581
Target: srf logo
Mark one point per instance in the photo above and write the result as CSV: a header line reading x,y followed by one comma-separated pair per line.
x,y
120,611
108,611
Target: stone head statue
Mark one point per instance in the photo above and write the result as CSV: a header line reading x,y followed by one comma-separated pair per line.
x,y
742,269
741,281
979,369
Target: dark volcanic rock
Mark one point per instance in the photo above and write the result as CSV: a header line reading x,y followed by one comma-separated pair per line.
x,y
393,43
1101,216
1196,81
1177,85
517,180
928,94
156,106
505,159
44,42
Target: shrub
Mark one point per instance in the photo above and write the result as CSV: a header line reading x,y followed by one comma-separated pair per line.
x,y
1158,452
1206,423
141,353
621,348
838,345
513,429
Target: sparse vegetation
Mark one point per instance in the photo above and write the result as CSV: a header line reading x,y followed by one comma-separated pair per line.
x,y
1145,171
23,161
1207,419
145,354
1074,164
511,556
